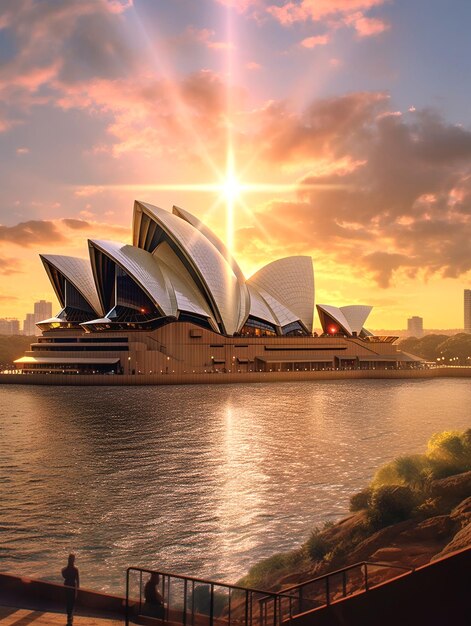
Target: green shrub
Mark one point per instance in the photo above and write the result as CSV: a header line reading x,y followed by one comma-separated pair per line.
x,y
268,568
317,546
360,500
449,453
390,504
411,470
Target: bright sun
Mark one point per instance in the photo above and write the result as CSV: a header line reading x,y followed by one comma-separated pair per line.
x,y
231,188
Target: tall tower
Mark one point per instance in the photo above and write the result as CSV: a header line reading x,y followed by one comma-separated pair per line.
x,y
415,326
42,311
467,310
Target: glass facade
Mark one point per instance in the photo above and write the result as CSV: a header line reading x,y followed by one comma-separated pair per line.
x,y
295,329
255,327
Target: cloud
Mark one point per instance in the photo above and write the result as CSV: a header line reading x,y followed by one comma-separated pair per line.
x,y
318,40
366,26
22,151
59,43
57,233
389,197
9,266
201,36
31,233
315,10
76,224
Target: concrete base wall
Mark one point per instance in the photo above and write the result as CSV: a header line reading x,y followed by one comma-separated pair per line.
x,y
229,378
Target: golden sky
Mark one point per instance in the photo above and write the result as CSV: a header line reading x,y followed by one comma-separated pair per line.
x,y
333,128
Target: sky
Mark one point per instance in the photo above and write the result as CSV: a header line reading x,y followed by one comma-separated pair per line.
x,y
339,129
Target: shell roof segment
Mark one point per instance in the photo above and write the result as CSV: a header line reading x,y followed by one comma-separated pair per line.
x,y
218,244
78,272
142,267
336,314
259,307
215,275
186,293
290,282
356,315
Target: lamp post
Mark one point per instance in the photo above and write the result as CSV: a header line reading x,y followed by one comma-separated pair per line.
x,y
129,365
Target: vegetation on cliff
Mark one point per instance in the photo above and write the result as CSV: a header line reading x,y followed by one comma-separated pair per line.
x,y
13,347
416,507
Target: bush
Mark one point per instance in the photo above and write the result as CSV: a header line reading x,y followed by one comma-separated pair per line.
x,y
412,470
449,453
317,546
390,504
259,575
360,500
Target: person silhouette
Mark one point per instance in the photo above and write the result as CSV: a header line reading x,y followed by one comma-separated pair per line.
x,y
154,603
70,574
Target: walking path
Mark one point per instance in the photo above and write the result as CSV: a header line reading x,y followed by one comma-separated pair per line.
x,y
10,616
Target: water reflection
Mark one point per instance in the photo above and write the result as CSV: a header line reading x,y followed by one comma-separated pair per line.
x,y
203,480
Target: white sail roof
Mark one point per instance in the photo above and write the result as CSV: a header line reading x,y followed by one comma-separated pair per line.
x,y
78,272
356,315
216,276
290,281
336,314
142,267
218,244
187,296
259,307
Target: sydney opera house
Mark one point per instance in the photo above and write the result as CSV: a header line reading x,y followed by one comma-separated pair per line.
x,y
175,302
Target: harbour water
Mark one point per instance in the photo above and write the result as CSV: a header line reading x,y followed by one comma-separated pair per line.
x,y
200,480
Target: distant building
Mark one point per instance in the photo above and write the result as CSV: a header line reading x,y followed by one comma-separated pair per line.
x,y
29,326
42,311
9,326
467,310
415,326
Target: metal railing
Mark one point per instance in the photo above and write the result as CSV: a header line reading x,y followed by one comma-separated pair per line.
x,y
339,584
189,601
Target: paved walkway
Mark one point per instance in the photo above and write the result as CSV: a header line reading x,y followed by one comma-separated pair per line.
x,y
9,616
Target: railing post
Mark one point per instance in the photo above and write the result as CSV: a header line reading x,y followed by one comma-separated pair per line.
x,y
327,590
229,608
140,591
366,576
250,609
275,609
300,599
192,602
344,583
246,607
211,605
185,591
127,597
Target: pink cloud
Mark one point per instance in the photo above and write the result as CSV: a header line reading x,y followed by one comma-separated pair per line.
x,y
253,65
312,42
205,37
315,10
366,26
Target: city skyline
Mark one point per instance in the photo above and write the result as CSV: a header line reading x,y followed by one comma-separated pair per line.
x,y
332,129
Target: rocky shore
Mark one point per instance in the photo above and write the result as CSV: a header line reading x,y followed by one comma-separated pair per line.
x,y
439,523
